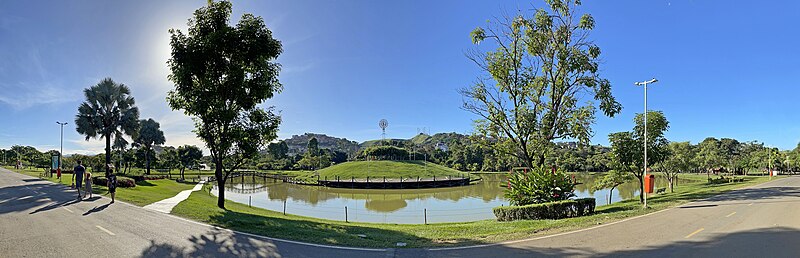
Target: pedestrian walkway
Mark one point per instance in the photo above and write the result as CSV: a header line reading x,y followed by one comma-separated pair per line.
x,y
166,205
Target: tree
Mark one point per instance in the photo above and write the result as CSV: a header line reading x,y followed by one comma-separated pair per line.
x,y
169,159
221,74
680,160
120,144
534,83
109,110
313,147
710,154
150,134
612,179
628,147
278,150
189,155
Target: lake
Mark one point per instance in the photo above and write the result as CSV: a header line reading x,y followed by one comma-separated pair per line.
x,y
402,206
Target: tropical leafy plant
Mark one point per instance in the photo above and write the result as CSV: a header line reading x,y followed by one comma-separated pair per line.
x,y
538,186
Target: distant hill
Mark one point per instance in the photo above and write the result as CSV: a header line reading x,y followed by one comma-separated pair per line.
x,y
299,143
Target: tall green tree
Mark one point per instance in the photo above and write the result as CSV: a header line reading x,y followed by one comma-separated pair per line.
x,y
628,147
149,135
611,180
108,111
710,155
221,74
189,155
538,81
680,160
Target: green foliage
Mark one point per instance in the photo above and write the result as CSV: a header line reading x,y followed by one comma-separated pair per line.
x,y
122,181
189,156
108,111
149,134
549,210
538,186
385,153
534,82
612,179
222,73
680,160
628,147
388,169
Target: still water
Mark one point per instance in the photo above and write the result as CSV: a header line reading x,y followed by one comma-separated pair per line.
x,y
403,206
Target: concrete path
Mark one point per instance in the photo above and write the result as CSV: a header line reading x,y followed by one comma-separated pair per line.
x,y
168,204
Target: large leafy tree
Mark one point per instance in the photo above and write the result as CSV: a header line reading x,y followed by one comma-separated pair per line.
x,y
611,180
539,81
628,147
189,155
149,135
108,111
680,160
221,74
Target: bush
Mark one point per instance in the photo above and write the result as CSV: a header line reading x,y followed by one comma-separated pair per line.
x,y
146,177
121,181
539,185
549,210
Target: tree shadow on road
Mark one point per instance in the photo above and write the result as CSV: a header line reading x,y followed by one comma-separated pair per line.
x,y
21,198
214,243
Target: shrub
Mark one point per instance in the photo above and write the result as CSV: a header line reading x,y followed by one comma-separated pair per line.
x,y
549,210
539,185
121,181
147,177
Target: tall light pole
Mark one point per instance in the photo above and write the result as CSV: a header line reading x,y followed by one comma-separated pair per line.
x,y
644,84
61,152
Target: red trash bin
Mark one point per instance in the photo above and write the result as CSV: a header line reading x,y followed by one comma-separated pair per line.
x,y
649,182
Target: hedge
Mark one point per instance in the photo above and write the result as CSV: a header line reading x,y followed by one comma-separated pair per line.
x,y
147,177
549,210
121,181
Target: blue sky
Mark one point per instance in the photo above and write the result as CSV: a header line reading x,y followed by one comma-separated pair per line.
x,y
725,68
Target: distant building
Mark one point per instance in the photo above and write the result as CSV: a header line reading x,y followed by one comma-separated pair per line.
x,y
441,146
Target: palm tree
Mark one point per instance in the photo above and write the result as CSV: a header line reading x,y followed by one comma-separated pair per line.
x,y
149,134
109,110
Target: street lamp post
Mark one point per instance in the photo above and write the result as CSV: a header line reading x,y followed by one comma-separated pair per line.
x,y
61,152
644,84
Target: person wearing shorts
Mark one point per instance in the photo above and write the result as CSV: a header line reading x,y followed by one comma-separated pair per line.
x,y
111,181
77,176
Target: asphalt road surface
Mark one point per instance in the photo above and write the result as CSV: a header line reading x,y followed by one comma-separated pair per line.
x,y
41,219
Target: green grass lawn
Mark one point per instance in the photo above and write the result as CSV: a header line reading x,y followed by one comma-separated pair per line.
x,y
388,169
145,192
202,207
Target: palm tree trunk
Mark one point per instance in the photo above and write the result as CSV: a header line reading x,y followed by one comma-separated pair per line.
x,y
108,152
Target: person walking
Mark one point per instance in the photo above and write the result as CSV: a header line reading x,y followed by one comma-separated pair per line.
x,y
88,182
111,181
77,177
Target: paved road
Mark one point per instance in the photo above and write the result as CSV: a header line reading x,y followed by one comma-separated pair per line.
x,y
762,221
39,219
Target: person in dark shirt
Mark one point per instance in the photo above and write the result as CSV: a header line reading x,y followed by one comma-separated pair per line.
x,y
111,180
77,177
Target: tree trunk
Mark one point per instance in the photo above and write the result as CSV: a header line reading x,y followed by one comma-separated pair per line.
x,y
220,185
671,180
147,161
108,152
182,169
